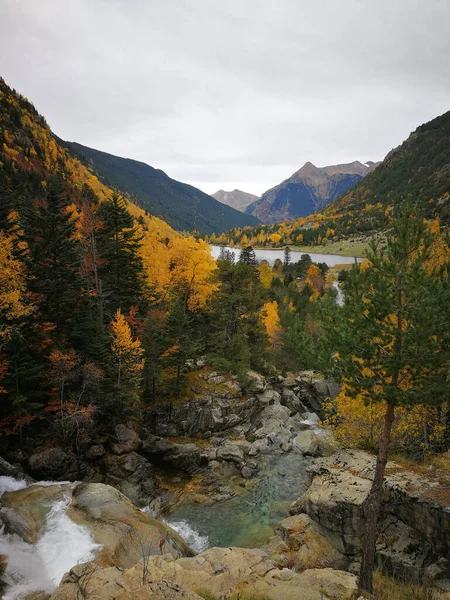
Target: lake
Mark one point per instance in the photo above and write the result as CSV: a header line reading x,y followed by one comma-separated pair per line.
x,y
271,256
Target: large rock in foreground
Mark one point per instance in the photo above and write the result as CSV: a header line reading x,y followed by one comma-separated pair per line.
x,y
222,571
414,538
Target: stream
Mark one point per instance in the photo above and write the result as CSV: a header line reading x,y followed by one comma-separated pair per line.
x,y
246,520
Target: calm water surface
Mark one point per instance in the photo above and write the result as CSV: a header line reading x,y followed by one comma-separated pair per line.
x,y
248,520
271,256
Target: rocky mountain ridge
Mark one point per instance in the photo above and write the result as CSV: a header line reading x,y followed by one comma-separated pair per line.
x,y
307,190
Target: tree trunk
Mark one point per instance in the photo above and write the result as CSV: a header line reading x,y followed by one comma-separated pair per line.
x,y
373,506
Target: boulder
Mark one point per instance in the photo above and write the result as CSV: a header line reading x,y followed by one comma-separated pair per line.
x,y
95,452
125,440
120,527
292,401
312,549
183,457
254,383
230,453
307,442
133,475
269,396
52,464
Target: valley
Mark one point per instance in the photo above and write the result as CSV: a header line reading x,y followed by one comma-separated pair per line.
x,y
222,398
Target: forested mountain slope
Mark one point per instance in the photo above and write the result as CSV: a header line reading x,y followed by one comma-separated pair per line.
x,y
183,206
419,168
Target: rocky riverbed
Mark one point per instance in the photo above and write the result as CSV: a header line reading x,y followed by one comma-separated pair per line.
x,y
225,467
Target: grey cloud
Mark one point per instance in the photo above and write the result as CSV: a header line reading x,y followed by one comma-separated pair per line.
x,y
231,93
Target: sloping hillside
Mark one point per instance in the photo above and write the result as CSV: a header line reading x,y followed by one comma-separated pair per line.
x,y
183,206
30,153
307,190
419,168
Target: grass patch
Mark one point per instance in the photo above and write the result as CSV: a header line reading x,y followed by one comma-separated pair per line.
x,y
435,468
385,588
208,595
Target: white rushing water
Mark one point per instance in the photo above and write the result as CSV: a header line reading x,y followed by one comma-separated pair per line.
x,y
40,567
340,294
190,535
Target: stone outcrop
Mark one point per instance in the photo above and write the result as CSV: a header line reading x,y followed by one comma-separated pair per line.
x,y
414,540
234,407
221,571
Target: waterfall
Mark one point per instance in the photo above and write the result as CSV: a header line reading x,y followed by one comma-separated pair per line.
x,y
40,567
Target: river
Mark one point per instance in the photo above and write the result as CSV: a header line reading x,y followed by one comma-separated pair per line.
x,y
271,255
249,519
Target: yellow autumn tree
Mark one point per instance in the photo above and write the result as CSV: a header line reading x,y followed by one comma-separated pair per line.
x,y
14,304
357,423
180,267
275,238
128,362
271,320
265,275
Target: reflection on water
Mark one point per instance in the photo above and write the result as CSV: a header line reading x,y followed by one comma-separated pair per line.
x,y
271,255
248,520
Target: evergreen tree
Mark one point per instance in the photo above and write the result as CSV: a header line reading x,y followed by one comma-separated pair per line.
x,y
155,341
287,257
237,333
121,268
247,256
183,339
54,259
391,341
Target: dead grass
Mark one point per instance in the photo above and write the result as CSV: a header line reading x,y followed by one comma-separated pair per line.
x,y
386,588
207,595
434,468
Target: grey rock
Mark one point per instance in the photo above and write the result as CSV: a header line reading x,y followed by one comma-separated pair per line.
x,y
52,463
308,442
133,475
230,453
125,440
95,452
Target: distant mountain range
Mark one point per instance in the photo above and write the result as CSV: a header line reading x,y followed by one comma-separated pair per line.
x,y
308,190
183,206
236,199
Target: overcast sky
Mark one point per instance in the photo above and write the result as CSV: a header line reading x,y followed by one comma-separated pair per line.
x,y
231,93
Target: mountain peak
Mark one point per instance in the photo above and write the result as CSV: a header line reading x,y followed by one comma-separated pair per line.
x,y
236,199
308,167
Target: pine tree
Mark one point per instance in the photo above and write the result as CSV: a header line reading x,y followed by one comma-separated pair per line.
x,y
287,257
121,269
237,333
54,259
247,256
392,341
183,339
